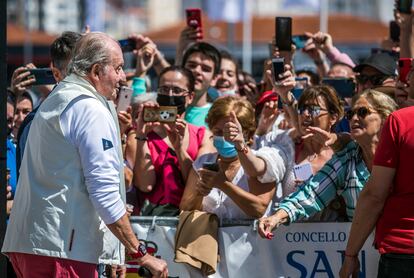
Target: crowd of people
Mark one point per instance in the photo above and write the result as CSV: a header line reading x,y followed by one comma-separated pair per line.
x,y
288,148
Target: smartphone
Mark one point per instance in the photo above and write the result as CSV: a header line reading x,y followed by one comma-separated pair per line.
x,y
404,66
299,41
303,171
163,114
394,54
124,99
194,19
42,76
283,27
127,45
278,67
404,6
345,87
394,31
212,166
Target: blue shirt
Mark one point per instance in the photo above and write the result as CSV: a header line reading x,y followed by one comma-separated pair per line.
x,y
11,164
197,115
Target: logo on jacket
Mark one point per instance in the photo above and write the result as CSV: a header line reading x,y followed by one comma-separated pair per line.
x,y
106,144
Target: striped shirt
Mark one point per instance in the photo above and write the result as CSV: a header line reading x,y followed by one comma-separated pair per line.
x,y
344,174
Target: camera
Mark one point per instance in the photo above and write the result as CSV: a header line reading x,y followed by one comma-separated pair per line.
x,y
163,114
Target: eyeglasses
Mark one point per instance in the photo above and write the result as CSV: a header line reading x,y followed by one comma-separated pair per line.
x,y
361,112
165,90
313,110
375,80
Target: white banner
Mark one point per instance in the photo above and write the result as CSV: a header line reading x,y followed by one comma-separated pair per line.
x,y
297,250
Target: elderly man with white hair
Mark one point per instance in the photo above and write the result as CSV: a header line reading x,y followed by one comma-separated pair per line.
x,y
71,179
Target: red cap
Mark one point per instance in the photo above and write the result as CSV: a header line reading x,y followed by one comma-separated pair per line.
x,y
267,96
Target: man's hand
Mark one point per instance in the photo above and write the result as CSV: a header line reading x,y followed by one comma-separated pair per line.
x,y
188,36
350,267
19,81
157,267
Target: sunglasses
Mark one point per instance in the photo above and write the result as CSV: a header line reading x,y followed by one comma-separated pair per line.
x,y
313,110
361,112
375,80
165,90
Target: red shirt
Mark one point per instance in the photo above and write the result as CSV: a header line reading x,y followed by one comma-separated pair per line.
x,y
395,227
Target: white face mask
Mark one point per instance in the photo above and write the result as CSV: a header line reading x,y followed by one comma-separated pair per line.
x,y
214,93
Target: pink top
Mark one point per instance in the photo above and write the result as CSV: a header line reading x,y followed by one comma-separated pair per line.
x,y
169,185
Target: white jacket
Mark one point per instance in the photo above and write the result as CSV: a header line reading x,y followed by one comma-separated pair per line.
x,y
52,214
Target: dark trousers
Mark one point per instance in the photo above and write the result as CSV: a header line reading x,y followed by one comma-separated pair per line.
x,y
396,266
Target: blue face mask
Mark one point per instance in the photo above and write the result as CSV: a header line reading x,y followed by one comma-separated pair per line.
x,y
224,148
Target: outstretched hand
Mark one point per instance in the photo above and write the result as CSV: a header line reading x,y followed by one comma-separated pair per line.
x,y
320,135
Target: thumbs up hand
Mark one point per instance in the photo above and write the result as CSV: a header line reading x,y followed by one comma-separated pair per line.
x,y
233,131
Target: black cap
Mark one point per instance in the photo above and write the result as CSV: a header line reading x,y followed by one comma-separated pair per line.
x,y
383,62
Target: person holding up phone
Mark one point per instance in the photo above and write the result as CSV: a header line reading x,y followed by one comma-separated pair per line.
x,y
166,151
403,16
191,34
60,53
320,44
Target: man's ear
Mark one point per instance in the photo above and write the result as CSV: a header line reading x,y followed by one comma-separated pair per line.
x,y
56,72
95,72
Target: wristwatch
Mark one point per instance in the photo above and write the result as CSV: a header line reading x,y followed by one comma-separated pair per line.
x,y
142,251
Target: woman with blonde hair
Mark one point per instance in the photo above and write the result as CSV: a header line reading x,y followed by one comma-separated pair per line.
x,y
218,182
346,172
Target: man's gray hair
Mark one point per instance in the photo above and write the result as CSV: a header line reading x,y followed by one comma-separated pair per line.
x,y
91,49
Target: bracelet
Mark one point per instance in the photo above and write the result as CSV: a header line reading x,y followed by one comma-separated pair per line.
x,y
244,149
141,138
